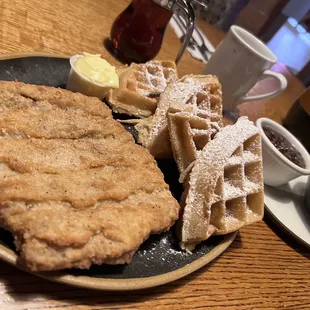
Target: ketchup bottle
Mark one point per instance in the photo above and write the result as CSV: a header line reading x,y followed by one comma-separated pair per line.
x,y
137,33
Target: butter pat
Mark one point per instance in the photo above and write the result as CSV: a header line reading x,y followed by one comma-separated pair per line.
x,y
97,69
91,75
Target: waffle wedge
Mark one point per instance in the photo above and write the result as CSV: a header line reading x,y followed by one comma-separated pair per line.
x,y
140,86
189,134
224,191
197,94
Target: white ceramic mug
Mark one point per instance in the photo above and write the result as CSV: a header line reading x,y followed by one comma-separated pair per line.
x,y
240,61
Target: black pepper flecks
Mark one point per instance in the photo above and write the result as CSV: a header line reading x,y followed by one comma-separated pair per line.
x,y
285,147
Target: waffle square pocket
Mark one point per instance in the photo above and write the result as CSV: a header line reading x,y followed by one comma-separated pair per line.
x,y
224,190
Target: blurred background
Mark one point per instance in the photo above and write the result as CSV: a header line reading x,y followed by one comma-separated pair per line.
x,y
284,25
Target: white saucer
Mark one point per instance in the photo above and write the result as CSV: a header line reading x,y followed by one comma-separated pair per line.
x,y
286,206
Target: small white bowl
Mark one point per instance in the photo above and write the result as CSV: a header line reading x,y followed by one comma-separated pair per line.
x,y
278,169
77,82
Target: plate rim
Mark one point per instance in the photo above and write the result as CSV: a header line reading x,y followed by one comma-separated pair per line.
x,y
109,284
284,227
15,55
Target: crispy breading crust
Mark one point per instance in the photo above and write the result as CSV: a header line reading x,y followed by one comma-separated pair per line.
x,y
75,189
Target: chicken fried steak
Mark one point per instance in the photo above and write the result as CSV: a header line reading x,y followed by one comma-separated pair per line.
x,y
75,189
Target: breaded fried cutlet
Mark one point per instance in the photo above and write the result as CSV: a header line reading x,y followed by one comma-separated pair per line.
x,y
75,189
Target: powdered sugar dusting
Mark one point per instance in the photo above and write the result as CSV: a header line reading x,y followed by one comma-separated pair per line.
x,y
153,77
182,96
231,192
250,187
208,170
250,157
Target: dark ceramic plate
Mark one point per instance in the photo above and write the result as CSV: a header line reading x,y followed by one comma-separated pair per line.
x,y
159,259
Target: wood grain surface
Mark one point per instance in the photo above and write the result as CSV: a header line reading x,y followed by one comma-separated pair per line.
x,y
263,269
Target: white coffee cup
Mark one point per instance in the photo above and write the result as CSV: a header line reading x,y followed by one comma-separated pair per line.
x,y
240,61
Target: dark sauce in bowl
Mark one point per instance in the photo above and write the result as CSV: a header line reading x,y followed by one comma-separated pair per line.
x,y
285,147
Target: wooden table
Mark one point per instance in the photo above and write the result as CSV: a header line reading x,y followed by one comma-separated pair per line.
x,y
263,269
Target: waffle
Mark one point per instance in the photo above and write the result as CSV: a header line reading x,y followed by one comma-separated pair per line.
x,y
197,94
188,136
140,85
225,187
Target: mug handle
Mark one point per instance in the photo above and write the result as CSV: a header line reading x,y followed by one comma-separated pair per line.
x,y
268,73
